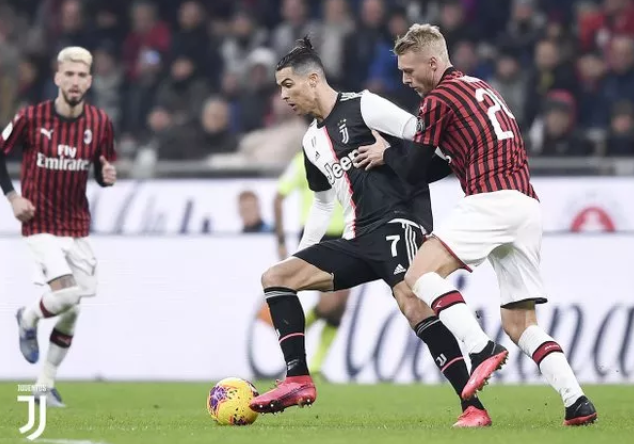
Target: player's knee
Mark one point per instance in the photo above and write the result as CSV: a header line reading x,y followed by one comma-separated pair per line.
x,y
411,277
276,276
68,297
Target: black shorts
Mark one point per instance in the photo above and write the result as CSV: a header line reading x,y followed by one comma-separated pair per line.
x,y
384,253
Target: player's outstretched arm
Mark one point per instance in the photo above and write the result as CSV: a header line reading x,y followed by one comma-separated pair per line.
x,y
318,218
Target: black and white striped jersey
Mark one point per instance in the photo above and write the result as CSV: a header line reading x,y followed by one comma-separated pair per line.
x,y
369,198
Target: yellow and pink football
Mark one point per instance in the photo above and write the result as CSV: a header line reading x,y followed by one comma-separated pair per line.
x,y
228,402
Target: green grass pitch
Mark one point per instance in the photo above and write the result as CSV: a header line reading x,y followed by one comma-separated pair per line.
x,y
175,413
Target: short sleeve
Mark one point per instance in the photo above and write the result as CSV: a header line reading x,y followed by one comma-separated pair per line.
x,y
433,116
14,134
316,180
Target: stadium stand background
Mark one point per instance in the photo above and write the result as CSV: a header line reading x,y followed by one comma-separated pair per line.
x,y
190,84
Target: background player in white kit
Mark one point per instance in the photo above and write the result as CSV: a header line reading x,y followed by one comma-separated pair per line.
x,y
61,139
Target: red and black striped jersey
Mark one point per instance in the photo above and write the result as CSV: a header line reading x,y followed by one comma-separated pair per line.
x,y
58,153
473,127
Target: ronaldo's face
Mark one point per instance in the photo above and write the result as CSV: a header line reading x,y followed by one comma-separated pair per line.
x,y
73,80
295,90
418,71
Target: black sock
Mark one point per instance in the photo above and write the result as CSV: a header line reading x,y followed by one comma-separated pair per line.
x,y
447,355
289,322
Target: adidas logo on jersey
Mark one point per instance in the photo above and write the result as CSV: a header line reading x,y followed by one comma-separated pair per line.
x,y
399,269
338,169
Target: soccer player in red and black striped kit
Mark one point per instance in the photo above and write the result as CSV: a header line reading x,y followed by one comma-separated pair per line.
x,y
61,140
467,122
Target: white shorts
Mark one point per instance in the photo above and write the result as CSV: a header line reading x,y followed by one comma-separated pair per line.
x,y
60,256
506,228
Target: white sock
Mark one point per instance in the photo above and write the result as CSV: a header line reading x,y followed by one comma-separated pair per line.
x,y
450,307
552,362
51,304
61,339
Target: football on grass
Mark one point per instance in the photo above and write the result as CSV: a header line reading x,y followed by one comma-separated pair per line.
x,y
228,402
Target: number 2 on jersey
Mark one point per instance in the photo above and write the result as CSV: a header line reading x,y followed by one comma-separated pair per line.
x,y
492,112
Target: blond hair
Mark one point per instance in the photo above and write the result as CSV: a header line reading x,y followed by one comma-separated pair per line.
x,y
75,54
423,38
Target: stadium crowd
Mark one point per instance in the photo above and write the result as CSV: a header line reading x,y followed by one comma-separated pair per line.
x,y
193,79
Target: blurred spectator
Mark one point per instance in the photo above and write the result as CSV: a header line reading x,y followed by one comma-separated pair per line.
x,y
109,26
620,79
510,81
453,24
598,26
360,46
29,87
250,213
245,37
556,134
147,44
522,31
548,74
383,75
466,59
216,134
620,140
594,107
192,40
197,140
183,92
296,24
277,143
107,83
336,27
73,28
255,103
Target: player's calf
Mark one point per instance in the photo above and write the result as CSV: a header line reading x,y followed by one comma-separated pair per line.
x,y
64,294
520,323
61,340
444,348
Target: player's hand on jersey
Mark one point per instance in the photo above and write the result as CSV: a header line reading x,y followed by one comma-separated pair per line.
x,y
108,171
23,209
371,156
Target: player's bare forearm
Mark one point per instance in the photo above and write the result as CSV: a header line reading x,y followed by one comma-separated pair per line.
x,y
278,214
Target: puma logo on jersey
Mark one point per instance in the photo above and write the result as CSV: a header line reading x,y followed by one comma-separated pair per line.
x,y
338,169
47,133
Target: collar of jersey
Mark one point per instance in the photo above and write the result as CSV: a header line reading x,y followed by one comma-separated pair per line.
x,y
67,119
332,111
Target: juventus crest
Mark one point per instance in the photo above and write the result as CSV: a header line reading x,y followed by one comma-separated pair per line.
x,y
343,130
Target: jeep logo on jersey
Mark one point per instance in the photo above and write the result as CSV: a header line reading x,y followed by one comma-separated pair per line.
x,y
343,129
338,169
65,160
